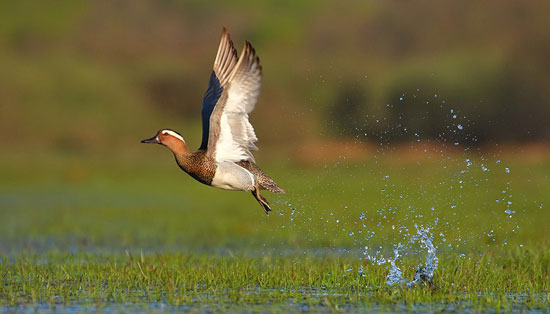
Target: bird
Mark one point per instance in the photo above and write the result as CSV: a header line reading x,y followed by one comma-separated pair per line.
x,y
224,159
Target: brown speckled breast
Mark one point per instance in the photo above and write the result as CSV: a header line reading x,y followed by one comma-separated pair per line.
x,y
198,165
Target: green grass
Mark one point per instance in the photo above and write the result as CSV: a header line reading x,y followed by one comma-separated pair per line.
x,y
516,279
135,233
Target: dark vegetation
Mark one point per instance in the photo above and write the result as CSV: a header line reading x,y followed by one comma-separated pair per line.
x,y
99,66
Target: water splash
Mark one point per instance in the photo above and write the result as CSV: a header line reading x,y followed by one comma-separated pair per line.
x,y
371,225
424,272
395,276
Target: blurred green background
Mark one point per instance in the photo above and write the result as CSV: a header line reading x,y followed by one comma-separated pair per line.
x,y
347,85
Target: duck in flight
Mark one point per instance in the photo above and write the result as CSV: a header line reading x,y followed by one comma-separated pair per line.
x,y
224,159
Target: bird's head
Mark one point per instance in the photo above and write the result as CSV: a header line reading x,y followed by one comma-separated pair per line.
x,y
171,139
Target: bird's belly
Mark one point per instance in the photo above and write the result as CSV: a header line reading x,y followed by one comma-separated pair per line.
x,y
230,176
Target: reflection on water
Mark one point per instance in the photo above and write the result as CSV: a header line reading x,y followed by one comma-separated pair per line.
x,y
316,301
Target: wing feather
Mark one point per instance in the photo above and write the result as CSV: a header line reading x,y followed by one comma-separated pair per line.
x,y
225,61
232,136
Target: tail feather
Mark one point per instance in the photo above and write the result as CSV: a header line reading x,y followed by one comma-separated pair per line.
x,y
264,181
267,183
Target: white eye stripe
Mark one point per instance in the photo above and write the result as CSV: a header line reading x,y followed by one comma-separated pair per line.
x,y
174,134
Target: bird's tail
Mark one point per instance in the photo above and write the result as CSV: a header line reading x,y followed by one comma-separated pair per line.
x,y
270,185
263,180
266,183
263,202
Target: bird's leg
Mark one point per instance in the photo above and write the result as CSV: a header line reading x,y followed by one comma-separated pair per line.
x,y
263,202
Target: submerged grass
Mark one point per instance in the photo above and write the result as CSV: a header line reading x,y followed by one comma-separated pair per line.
x,y
507,280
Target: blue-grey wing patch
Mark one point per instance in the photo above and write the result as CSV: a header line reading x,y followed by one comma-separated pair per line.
x,y
225,61
211,97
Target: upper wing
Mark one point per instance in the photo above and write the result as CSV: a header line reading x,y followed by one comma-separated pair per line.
x,y
232,136
226,59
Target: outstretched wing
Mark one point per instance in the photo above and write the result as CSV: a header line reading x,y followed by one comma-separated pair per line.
x,y
232,136
226,59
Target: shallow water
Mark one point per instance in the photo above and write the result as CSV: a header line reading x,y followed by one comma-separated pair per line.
x,y
316,302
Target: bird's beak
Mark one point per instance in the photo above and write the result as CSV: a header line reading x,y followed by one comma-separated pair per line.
x,y
152,140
